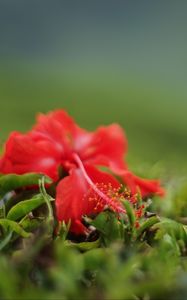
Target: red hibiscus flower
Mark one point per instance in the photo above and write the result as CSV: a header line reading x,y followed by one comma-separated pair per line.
x,y
90,191
56,141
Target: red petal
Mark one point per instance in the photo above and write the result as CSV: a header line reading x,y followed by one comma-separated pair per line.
x,y
105,147
147,187
23,155
59,128
71,200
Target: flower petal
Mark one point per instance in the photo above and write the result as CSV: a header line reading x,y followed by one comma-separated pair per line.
x,y
106,147
23,155
72,201
59,128
147,187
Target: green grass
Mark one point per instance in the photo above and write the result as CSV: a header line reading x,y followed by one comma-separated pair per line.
x,y
117,261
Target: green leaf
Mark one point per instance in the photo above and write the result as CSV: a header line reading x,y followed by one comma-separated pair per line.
x,y
108,225
130,212
2,212
63,230
24,207
9,225
47,198
96,258
173,228
146,225
84,246
6,240
50,220
12,181
30,224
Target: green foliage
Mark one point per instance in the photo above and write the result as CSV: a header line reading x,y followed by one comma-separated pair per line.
x,y
130,213
108,226
8,226
147,225
119,259
24,207
12,181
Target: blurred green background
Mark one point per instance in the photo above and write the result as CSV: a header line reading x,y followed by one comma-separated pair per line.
x,y
103,61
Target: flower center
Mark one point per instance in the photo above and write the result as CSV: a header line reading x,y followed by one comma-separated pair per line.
x,y
103,192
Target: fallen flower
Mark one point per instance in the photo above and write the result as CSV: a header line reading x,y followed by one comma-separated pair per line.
x,y
56,141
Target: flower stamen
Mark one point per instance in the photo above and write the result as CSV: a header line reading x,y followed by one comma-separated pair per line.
x,y
101,190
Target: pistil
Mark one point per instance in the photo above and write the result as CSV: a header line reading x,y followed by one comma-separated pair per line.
x,y
106,200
